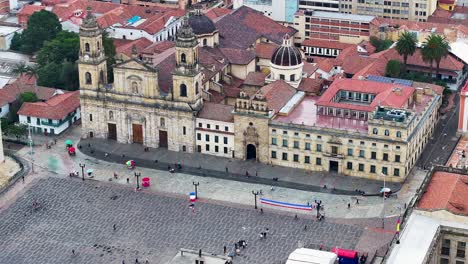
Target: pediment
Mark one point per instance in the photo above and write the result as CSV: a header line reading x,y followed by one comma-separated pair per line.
x,y
135,65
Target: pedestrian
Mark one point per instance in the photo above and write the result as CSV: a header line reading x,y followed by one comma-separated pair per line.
x,y
227,170
261,234
106,154
349,205
247,173
256,173
357,201
305,228
115,228
271,188
261,210
128,180
295,217
123,261
115,175
73,252
236,246
146,261
224,250
22,178
136,261
321,247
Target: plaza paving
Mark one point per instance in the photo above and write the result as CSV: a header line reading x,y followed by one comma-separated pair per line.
x,y
80,215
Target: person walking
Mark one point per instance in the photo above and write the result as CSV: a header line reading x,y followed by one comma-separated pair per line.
x,y
224,250
128,180
73,252
22,178
349,206
115,227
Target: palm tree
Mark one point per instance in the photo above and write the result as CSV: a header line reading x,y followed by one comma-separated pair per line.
x,y
406,45
435,48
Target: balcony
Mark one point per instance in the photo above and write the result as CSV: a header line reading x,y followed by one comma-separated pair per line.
x,y
54,124
333,155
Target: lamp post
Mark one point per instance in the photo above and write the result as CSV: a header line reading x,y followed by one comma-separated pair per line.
x,y
82,170
31,151
137,175
383,201
196,188
255,193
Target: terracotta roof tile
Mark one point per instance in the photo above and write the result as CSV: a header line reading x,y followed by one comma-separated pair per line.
x,y
353,64
219,112
11,91
265,50
277,94
326,65
140,44
311,86
238,56
446,191
309,68
56,108
216,13
255,79
28,10
159,47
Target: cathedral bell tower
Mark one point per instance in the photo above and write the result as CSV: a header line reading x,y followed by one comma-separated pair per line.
x,y
187,77
92,61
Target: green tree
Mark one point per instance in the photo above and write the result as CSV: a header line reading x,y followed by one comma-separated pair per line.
x,y
64,47
406,45
16,130
393,69
42,26
16,41
434,49
29,97
69,76
49,75
379,44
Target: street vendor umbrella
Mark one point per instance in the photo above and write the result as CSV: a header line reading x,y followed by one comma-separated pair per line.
x,y
68,142
130,163
71,149
385,190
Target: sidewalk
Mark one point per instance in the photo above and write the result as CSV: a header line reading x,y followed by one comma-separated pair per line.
x,y
211,166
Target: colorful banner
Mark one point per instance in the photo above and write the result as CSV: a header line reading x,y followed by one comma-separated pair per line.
x,y
286,205
192,197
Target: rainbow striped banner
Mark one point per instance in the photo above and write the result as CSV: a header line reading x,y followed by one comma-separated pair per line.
x,y
286,205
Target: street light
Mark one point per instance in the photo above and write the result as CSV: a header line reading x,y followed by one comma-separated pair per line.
x,y
196,188
255,193
137,175
383,201
82,170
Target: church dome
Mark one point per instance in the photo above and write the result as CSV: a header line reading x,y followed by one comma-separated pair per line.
x,y
201,24
286,54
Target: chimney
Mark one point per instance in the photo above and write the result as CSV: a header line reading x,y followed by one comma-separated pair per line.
x,y
419,95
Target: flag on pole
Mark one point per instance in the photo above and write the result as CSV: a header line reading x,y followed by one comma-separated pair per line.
x,y
192,197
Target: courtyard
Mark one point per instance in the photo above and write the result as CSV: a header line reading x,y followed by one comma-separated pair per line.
x,y
76,215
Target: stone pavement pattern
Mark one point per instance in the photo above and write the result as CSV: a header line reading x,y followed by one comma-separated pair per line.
x,y
8,168
80,215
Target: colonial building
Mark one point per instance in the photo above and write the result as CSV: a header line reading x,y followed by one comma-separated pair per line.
x,y
204,95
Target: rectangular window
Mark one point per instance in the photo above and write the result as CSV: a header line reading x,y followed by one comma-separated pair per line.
x,y
216,149
362,143
285,132
307,135
361,167
207,138
198,148
198,136
273,141
273,154
350,152
334,150
207,147
319,148
200,125
372,168
225,140
362,153
318,161
38,121
296,158
184,130
91,117
384,170
396,172
285,142
296,144
285,156
373,155
216,139
319,137
296,134
208,126
349,165
28,119
385,157
445,250
226,128
307,146
397,158
217,127
461,249
306,159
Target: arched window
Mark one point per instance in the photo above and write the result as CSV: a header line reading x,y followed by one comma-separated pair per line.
x,y
162,122
398,134
98,45
88,78
111,115
183,58
204,42
375,131
196,88
183,90
134,87
387,133
86,47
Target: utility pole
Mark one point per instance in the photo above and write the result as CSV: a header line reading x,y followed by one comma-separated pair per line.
x,y
383,202
31,151
82,170
255,193
137,175
196,188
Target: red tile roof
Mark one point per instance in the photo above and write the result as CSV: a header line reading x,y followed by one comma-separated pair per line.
x,y
326,44
446,191
255,79
218,112
216,13
265,50
28,10
56,108
309,68
311,86
238,56
355,63
11,92
326,65
277,94
159,47
385,94
140,44
244,26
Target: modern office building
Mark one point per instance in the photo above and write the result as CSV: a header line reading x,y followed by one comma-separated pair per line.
x,y
278,10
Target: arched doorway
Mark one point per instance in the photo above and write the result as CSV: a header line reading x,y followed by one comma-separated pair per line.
x,y
251,152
